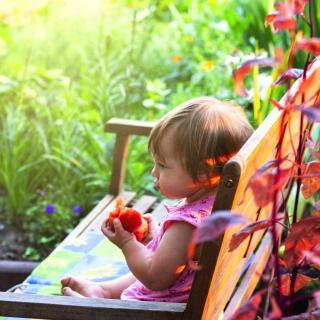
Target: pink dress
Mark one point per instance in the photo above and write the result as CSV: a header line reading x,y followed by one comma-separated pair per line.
x,y
179,291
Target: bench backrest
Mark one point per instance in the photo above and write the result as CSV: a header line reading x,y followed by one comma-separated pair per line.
x,y
209,297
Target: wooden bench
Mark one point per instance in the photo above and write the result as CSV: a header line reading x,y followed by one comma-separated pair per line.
x,y
213,290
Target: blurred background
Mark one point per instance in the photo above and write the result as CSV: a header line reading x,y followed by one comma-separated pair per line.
x,y
67,66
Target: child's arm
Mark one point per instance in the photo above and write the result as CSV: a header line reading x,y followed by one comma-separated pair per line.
x,y
156,270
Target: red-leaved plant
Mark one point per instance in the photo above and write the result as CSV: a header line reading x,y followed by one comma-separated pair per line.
x,y
302,241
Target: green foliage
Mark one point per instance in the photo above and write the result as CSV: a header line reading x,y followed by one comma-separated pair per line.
x,y
69,66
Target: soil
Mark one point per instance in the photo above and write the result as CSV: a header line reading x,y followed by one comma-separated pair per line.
x,y
11,243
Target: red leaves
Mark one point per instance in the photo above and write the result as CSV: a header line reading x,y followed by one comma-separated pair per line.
x,y
299,6
212,227
284,16
313,257
311,45
310,179
301,281
249,309
266,181
240,236
241,72
310,86
276,312
313,114
317,298
304,236
277,104
315,148
288,75
238,76
316,212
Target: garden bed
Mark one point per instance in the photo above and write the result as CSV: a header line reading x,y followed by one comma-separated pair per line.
x,y
13,266
12,245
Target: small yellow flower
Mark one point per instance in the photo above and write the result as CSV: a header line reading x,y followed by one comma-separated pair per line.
x,y
176,58
133,4
207,65
212,2
189,38
29,93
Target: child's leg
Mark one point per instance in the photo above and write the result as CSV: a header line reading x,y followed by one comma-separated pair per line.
x,y
109,289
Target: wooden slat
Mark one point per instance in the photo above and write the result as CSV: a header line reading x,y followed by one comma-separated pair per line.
x,y
119,163
252,276
9,266
13,272
145,203
159,212
72,308
129,127
124,129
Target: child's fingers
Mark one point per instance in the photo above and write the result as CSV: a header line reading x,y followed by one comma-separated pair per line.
x,y
120,233
106,230
153,225
118,228
148,217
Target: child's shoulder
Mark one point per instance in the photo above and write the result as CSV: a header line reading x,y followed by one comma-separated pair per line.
x,y
192,213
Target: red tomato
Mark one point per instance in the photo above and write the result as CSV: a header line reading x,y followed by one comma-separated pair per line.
x,y
119,207
142,231
131,220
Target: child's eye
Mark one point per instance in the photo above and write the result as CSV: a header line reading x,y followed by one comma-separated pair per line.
x,y
161,165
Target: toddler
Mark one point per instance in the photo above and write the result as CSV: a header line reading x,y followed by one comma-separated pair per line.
x,y
189,146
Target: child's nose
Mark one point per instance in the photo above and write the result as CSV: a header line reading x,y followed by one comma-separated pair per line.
x,y
154,172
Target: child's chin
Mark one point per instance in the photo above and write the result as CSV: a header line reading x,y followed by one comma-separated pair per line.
x,y
171,196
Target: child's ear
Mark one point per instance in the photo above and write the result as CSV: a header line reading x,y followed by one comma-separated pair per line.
x,y
206,181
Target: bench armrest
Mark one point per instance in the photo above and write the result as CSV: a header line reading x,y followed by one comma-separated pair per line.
x,y
126,126
70,308
123,128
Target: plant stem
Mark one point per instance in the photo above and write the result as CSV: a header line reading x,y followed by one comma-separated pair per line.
x,y
300,157
292,285
275,213
311,10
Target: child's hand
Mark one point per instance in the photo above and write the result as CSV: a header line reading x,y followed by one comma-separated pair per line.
x,y
153,228
119,236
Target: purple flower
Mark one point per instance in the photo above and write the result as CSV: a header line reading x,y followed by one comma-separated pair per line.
x,y
76,210
50,209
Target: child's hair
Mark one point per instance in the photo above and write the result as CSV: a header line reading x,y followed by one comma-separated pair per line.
x,y
207,132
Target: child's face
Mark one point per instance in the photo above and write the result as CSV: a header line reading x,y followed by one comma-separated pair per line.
x,y
173,180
